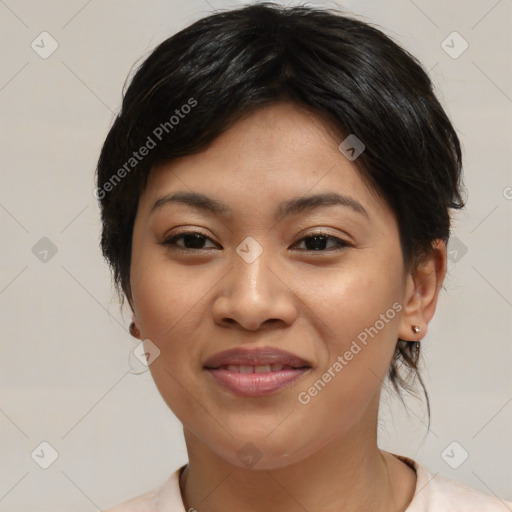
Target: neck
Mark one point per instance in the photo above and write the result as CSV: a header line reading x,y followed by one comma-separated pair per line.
x,y
349,474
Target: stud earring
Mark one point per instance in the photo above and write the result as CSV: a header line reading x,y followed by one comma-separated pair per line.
x,y
416,329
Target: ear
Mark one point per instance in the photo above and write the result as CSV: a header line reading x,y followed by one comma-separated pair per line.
x,y
422,289
134,328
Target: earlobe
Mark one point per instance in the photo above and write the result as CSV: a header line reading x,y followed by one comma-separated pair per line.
x,y
134,329
421,293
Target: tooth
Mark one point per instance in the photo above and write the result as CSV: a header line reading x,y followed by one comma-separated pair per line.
x,y
233,368
262,369
276,367
246,369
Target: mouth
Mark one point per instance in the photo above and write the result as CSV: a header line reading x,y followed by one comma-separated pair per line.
x,y
257,372
260,368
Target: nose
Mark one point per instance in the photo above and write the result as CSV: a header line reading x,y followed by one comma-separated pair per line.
x,y
254,296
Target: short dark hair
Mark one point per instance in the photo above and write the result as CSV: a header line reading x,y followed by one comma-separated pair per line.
x,y
199,82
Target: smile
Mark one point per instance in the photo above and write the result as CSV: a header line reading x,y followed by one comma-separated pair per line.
x,y
247,381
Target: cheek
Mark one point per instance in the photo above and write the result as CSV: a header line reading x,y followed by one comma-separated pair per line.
x,y
359,332
357,316
166,300
355,300
165,295
165,305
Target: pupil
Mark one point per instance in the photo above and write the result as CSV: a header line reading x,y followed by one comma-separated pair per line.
x,y
319,239
195,241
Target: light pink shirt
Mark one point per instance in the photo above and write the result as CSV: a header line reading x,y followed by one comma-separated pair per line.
x,y
433,493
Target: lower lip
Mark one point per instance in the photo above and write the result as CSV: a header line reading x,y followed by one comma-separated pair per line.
x,y
255,384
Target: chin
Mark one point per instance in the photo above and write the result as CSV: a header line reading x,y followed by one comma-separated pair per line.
x,y
260,453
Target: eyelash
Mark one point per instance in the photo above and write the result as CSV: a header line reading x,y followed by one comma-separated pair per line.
x,y
171,241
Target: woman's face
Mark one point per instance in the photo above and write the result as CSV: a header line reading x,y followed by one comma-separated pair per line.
x,y
255,277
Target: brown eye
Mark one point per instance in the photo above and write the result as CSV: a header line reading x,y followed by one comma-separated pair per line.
x,y
192,240
317,242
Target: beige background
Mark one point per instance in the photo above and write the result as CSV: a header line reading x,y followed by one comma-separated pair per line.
x,y
64,368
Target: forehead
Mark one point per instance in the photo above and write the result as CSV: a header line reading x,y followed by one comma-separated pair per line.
x,y
275,153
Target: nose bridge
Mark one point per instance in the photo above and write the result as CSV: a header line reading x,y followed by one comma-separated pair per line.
x,y
253,276
253,293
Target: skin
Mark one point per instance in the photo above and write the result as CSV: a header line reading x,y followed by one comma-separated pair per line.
x,y
194,303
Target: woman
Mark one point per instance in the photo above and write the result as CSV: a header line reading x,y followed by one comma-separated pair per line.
x,y
276,197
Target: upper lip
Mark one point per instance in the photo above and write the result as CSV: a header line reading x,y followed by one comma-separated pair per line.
x,y
255,357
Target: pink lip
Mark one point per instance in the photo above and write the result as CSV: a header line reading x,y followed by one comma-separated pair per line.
x,y
255,357
256,384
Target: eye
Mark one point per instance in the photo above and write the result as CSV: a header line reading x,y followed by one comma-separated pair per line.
x,y
317,242
192,240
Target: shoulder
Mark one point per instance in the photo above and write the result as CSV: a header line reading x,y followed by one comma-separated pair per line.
x,y
144,503
455,496
166,498
436,493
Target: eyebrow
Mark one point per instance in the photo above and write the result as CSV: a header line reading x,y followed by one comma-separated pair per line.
x,y
284,209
